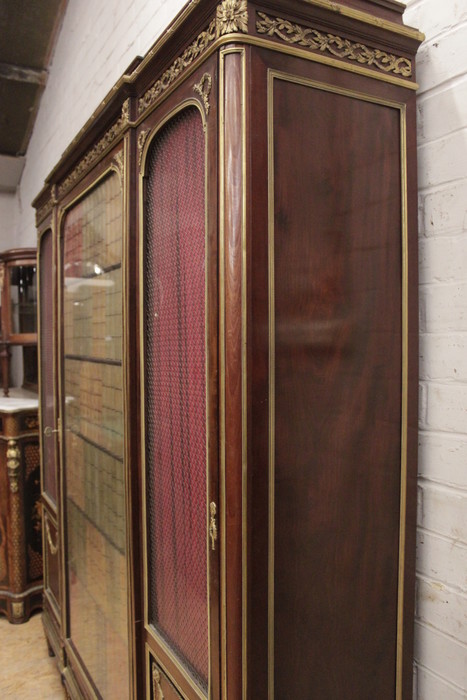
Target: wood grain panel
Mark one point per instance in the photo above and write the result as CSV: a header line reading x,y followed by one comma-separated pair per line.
x,y
338,373
233,209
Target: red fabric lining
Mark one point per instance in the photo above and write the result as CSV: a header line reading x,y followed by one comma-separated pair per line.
x,y
176,390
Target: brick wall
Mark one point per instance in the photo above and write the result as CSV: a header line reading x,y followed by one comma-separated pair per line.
x,y
99,40
441,624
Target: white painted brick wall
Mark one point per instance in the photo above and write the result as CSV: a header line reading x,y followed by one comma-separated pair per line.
x,y
8,211
99,40
441,625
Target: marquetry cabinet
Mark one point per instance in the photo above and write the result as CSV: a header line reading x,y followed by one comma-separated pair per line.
x,y
228,330
20,507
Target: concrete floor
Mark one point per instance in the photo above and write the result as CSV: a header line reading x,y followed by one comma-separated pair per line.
x,y
26,670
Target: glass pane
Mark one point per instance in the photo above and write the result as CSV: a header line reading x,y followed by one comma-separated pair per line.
x,y
175,391
47,359
93,423
23,299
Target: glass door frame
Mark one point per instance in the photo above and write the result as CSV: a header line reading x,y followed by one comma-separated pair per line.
x,y
75,674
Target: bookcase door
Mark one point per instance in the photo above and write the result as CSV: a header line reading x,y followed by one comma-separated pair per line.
x,y
175,403
93,450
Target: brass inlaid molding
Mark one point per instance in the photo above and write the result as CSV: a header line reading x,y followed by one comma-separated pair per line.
x,y
13,455
203,88
338,46
157,691
93,155
143,135
231,16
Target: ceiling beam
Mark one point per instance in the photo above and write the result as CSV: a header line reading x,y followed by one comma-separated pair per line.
x,y
20,74
11,169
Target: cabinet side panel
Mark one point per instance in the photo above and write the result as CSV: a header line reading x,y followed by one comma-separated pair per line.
x,y
336,374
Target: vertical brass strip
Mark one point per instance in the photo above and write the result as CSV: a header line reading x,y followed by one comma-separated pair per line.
x,y
223,620
126,380
244,391
207,274
272,350
404,408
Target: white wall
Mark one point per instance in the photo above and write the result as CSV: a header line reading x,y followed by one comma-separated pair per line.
x,y
8,212
99,40
441,625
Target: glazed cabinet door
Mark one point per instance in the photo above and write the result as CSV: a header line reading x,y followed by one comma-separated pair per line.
x,y
178,399
49,430
93,452
47,359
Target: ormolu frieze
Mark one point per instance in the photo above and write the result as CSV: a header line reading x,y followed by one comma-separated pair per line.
x,y
45,209
335,45
97,151
231,16
195,50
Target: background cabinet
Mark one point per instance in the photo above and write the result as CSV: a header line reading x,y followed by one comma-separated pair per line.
x,y
235,235
20,509
18,285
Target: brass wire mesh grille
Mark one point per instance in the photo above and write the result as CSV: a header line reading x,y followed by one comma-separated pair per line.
x,y
175,391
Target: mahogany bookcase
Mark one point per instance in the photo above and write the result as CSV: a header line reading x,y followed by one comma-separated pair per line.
x,y
228,280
